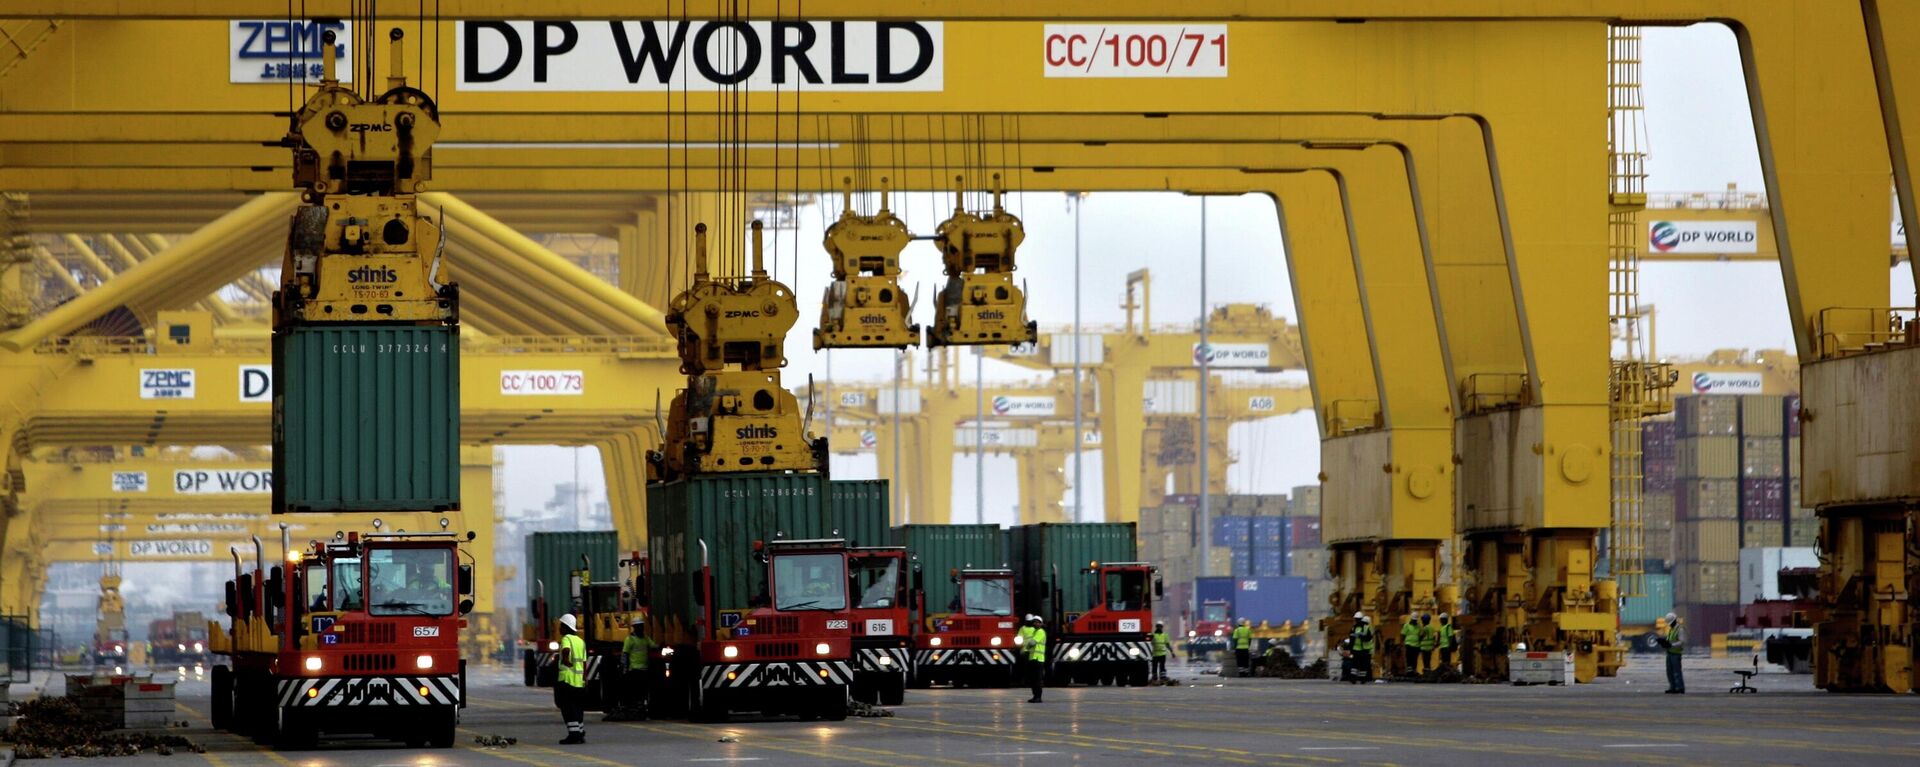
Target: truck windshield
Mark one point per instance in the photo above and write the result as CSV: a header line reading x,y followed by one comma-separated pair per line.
x,y
810,582
878,580
987,596
346,585
410,582
316,586
1213,613
1126,590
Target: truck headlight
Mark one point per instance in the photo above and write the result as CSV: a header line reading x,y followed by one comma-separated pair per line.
x,y
1218,632
822,649
934,642
884,660
423,662
198,647
994,641
553,647
1019,640
1133,652
1191,633
1073,654
119,648
180,648
730,651
666,652
313,663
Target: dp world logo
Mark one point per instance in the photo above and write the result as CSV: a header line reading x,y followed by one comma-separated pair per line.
x,y
1001,405
1664,236
1202,354
869,439
1703,382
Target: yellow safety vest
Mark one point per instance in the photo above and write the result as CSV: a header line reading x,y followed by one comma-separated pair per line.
x,y
1160,644
1242,637
573,674
1037,645
636,648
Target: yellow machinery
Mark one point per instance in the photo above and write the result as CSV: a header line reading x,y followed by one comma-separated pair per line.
x,y
110,640
863,306
738,419
980,304
359,249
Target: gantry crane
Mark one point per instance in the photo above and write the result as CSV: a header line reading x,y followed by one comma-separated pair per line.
x,y
1241,336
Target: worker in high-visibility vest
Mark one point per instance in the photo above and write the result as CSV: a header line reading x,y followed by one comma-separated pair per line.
x,y
1429,639
636,674
1675,641
1161,644
1409,643
1243,647
570,689
1036,654
1449,641
1360,646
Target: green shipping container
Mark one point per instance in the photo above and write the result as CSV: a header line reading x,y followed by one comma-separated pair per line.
x,y
1654,605
1040,551
552,558
366,418
729,512
940,549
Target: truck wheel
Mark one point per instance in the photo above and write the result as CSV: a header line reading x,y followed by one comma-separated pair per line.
x,y
292,731
266,725
834,704
895,692
221,708
1139,678
703,708
529,668
443,730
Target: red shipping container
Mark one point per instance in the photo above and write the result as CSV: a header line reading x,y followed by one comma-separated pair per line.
x,y
1304,532
1703,621
1763,500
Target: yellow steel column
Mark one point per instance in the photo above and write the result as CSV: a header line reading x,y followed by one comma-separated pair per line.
x,y
487,628
1893,36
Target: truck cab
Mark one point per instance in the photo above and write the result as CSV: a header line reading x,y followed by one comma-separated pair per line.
x,y
976,639
884,603
789,652
1210,629
1107,641
359,634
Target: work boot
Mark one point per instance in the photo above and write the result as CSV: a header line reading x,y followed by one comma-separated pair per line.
x,y
574,739
1034,700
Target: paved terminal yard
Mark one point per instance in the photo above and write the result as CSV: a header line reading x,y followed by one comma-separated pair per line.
x,y
1249,721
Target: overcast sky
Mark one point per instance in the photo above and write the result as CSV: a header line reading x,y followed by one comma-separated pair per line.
x,y
1700,138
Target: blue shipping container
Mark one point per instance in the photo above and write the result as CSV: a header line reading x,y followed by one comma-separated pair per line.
x,y
1232,531
1273,600
1269,532
1242,563
1211,590
1268,563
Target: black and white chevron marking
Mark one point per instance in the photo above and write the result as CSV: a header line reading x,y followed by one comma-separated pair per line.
x,y
370,691
868,659
784,674
545,660
1101,652
963,657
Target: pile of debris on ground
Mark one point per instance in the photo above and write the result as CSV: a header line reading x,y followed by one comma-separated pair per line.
x,y
1280,664
56,727
858,708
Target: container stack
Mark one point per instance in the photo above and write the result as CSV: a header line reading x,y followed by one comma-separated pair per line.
x,y
1658,465
1706,537
1167,540
1734,486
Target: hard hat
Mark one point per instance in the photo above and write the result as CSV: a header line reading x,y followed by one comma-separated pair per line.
x,y
1359,616
1365,619
639,619
570,622
1671,617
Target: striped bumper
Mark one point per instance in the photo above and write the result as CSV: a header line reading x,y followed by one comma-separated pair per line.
x,y
370,691
728,676
1101,652
885,660
925,658
547,660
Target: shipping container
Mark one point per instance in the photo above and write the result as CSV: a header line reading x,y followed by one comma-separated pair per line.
x,y
1270,600
552,557
1708,540
1760,568
1304,532
1707,582
1650,607
1269,533
1763,499
1659,544
1043,551
1212,589
366,417
1702,621
857,512
1762,415
1707,415
1308,563
1219,563
1657,438
1242,564
1092,349
1762,457
1657,509
1762,533
1162,397
1304,501
1708,457
1707,499
941,549
1803,531
1792,465
1231,531
728,512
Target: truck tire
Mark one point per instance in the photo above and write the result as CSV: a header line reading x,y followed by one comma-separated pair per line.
x,y
704,709
443,729
293,732
895,692
221,707
834,704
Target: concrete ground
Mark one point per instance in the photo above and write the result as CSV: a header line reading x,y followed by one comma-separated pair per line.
x,y
1626,720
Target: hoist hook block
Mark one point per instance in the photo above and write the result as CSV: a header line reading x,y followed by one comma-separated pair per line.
x,y
980,303
864,307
